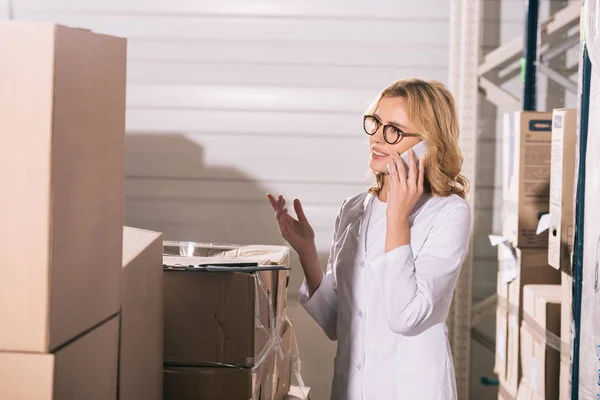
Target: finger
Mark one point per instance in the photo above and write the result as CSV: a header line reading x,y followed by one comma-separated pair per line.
x,y
393,177
281,214
280,203
401,171
272,201
421,182
412,167
299,210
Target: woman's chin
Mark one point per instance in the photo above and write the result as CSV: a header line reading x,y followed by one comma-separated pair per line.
x,y
378,167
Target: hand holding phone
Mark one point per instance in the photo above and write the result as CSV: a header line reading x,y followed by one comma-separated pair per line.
x,y
419,149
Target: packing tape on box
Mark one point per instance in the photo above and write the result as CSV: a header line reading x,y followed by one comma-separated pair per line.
x,y
275,345
544,336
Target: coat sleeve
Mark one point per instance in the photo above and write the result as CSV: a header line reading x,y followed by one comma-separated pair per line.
x,y
416,294
322,305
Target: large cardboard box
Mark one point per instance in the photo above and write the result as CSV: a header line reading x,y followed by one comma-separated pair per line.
x,y
532,268
141,349
589,350
216,317
566,320
83,369
220,382
262,254
562,180
540,349
526,178
226,316
62,123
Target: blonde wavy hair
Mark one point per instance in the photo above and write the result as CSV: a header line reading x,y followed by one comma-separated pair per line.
x,y
431,109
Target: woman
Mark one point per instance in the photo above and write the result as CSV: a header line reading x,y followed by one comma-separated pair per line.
x,y
396,254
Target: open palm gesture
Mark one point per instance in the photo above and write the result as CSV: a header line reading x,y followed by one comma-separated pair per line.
x,y
297,232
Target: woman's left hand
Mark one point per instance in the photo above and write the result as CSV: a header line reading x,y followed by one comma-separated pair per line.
x,y
404,189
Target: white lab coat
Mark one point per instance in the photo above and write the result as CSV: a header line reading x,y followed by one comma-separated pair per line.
x,y
388,312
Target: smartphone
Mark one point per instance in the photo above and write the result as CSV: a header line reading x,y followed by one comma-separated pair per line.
x,y
419,149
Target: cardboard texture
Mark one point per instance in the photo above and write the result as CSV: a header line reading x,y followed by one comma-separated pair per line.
x,y
216,317
532,268
83,369
222,317
539,333
566,317
526,177
62,118
141,349
562,180
187,383
589,350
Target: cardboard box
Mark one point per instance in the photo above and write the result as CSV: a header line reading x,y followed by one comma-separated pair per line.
x,y
141,349
589,350
532,268
526,177
562,180
262,254
216,317
184,383
83,369
566,340
222,317
540,349
62,118
501,327
282,377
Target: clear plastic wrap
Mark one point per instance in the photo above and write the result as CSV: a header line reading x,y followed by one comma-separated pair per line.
x,y
267,266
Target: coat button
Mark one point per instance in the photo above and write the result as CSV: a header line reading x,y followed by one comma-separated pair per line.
x,y
359,366
362,263
360,314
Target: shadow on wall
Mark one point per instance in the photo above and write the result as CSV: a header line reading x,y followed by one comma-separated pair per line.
x,y
171,189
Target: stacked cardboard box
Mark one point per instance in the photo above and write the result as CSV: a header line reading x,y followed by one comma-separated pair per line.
x,y
560,234
540,342
226,331
62,120
141,344
522,254
589,346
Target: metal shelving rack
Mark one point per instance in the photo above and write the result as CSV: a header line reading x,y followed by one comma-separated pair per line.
x,y
470,74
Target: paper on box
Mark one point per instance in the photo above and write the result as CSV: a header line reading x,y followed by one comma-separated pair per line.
x,y
562,180
141,348
84,369
62,118
526,177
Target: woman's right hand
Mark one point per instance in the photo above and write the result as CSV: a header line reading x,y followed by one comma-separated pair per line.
x,y
297,232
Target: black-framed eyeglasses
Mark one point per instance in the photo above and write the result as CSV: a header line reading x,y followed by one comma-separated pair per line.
x,y
391,134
